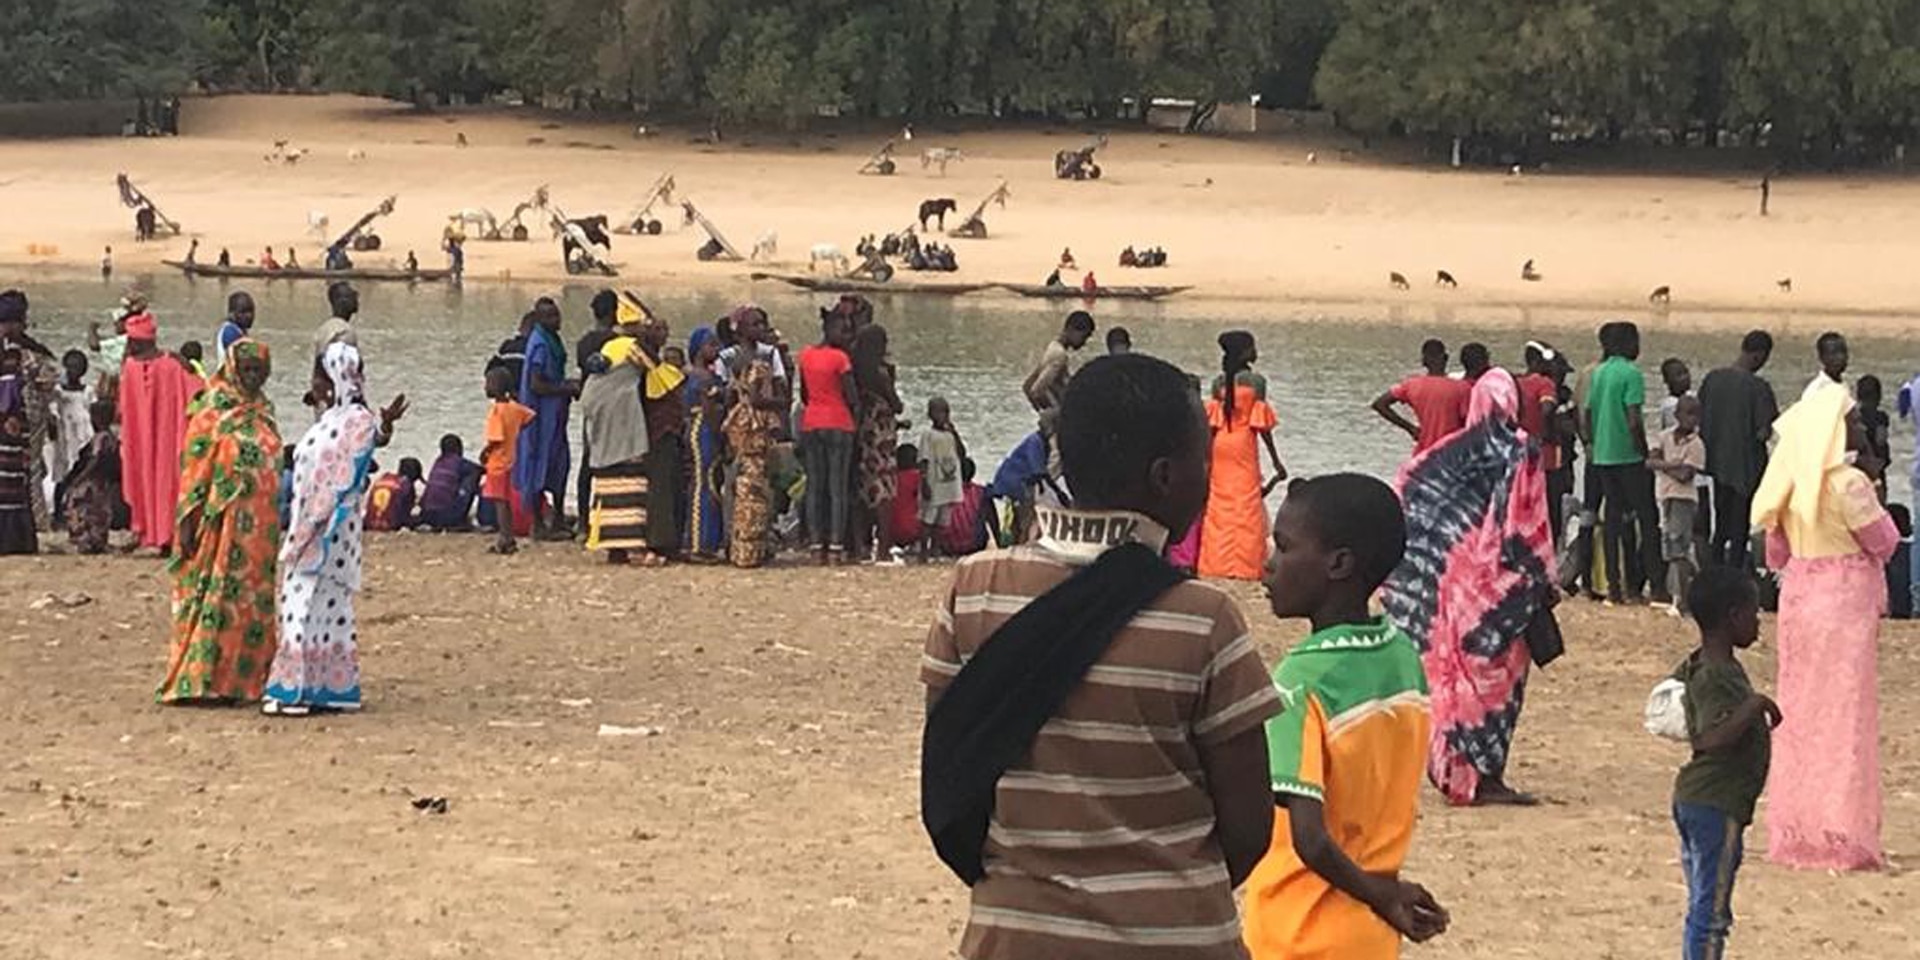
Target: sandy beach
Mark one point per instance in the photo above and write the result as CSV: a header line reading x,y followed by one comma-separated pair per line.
x,y
1243,220
770,809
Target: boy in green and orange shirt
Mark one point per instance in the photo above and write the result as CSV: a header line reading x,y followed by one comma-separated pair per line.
x,y
1348,753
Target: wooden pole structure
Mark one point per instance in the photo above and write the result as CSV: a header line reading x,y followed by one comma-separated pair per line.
x,y
133,199
712,231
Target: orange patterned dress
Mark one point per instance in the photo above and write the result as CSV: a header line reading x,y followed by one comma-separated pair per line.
x,y
223,592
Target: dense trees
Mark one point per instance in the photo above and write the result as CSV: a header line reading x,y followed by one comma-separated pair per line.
x,y
1796,75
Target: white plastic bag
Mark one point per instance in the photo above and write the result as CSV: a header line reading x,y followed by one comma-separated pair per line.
x,y
1667,710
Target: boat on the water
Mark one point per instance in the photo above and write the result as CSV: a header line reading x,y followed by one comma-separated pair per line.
x,y
851,285
1062,291
255,272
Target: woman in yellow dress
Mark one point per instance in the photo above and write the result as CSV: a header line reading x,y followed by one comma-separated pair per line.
x,y
1234,533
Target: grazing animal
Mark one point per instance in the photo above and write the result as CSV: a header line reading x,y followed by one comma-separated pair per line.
x,y
937,211
317,223
146,223
940,156
1528,273
1661,294
355,155
1441,278
767,247
827,253
459,139
1785,284
1398,281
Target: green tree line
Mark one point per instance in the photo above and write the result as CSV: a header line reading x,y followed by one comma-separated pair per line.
x,y
1796,75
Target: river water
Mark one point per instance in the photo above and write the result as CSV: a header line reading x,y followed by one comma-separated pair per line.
x,y
1324,368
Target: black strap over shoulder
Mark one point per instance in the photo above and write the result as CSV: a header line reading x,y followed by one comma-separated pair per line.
x,y
987,719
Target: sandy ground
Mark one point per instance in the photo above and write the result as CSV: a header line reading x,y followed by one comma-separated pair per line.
x,y
1247,220
773,815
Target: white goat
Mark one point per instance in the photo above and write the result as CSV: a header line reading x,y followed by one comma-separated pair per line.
x,y
830,254
940,156
317,223
767,247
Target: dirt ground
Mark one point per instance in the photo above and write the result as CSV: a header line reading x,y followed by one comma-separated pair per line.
x,y
1278,217
772,815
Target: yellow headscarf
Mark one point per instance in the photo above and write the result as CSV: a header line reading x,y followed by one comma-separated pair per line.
x,y
662,378
1811,443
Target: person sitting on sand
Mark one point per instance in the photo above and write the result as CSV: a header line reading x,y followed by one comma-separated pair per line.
x,y
267,261
452,485
293,259
1346,755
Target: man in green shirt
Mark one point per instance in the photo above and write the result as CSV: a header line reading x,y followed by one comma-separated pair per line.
x,y
1617,447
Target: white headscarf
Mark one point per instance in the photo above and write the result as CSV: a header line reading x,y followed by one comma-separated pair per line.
x,y
343,367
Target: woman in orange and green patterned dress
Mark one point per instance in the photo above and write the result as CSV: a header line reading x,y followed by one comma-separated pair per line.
x,y
227,537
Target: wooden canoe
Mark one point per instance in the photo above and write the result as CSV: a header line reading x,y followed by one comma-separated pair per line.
x,y
253,272
1101,293
850,285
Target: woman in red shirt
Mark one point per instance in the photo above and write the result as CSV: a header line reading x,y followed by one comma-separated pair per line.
x,y
826,435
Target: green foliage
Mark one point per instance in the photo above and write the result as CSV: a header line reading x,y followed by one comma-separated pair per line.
x,y
1802,75
57,49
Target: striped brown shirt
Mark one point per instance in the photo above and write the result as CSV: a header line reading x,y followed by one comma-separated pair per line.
x,y
1102,843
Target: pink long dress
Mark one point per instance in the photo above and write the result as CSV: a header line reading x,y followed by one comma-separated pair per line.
x,y
153,424
1823,791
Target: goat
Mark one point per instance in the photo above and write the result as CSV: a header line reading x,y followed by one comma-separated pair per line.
x,y
940,156
1661,295
1445,280
830,254
767,247
1398,280
317,223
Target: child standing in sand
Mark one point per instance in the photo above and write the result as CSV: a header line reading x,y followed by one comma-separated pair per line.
x,y
1677,458
504,421
1348,753
1731,730
941,485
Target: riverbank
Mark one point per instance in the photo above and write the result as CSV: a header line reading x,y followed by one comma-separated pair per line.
x,y
1245,222
771,810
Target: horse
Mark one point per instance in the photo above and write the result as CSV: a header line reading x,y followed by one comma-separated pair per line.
x,y
145,223
936,210
828,253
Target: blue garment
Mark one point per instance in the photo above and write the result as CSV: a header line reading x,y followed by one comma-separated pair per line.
x,y
230,333
286,498
1023,468
544,458
1711,845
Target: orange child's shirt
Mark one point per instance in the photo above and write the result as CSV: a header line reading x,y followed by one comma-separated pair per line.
x,y
504,422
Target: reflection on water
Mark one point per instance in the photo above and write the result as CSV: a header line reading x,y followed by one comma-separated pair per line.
x,y
1324,369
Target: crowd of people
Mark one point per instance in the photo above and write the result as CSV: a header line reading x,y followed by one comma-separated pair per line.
x,y
1086,825
1053,753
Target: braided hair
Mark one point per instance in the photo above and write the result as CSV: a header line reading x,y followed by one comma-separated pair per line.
x,y
1236,357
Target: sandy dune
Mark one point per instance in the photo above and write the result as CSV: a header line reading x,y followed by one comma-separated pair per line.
x,y
1243,220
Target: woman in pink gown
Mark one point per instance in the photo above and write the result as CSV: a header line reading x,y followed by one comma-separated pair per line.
x,y
155,389
1831,538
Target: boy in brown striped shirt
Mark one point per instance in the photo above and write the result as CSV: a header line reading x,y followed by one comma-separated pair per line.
x,y
1121,831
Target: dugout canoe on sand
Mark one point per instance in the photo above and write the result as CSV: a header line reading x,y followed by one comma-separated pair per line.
x,y
1100,293
849,285
252,272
